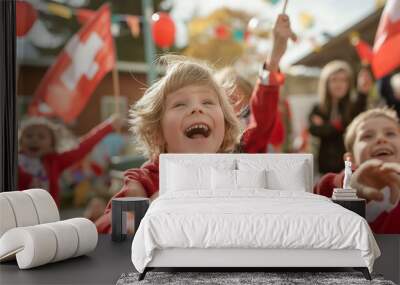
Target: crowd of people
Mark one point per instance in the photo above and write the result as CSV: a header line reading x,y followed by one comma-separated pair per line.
x,y
194,109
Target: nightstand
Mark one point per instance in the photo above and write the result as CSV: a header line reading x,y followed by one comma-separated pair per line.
x,y
137,205
355,205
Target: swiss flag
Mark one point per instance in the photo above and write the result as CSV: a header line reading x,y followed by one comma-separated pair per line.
x,y
387,40
70,81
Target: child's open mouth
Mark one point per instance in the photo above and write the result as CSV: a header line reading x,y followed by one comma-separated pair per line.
x,y
196,131
382,152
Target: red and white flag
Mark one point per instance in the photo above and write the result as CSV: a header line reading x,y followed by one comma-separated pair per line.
x,y
387,40
71,80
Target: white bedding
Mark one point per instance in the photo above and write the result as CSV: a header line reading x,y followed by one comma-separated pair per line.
x,y
252,218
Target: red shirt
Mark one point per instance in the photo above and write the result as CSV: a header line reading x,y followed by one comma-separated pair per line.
x,y
385,223
55,163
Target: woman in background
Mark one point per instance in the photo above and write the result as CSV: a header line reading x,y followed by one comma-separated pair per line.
x,y
335,110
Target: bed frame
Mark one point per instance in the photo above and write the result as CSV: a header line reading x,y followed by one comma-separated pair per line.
x,y
242,259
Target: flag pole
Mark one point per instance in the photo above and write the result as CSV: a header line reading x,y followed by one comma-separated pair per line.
x,y
115,78
115,75
149,49
284,7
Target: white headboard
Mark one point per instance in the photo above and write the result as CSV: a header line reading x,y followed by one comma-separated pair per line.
x,y
278,161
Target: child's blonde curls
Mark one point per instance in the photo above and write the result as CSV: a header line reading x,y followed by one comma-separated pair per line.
x,y
147,113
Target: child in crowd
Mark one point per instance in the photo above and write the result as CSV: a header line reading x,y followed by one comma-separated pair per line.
x,y
366,78
239,90
39,163
187,111
335,110
373,144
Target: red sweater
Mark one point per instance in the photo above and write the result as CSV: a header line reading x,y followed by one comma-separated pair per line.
x,y
55,163
263,104
385,223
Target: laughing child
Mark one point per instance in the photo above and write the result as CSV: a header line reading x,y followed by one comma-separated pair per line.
x,y
187,111
373,144
40,164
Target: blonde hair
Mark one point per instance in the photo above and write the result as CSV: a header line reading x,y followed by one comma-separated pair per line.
x,y
147,113
229,78
350,135
325,98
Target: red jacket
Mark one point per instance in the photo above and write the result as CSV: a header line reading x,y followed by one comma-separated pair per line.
x,y
263,104
55,163
385,223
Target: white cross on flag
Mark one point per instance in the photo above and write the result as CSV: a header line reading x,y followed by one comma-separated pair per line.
x,y
387,41
71,80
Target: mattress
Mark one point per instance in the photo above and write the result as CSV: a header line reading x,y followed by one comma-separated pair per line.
x,y
250,219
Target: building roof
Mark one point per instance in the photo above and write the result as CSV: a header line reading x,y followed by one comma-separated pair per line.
x,y
339,47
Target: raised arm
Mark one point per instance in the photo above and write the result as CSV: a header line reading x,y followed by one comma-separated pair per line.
x,y
264,100
87,142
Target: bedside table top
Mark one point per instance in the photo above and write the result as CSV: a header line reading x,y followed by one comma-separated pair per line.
x,y
349,200
131,199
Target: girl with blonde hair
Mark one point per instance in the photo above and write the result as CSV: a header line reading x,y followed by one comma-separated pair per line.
x,y
336,108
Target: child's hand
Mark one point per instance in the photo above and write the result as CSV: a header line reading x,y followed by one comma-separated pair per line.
x,y
281,33
374,175
116,121
391,171
365,82
366,180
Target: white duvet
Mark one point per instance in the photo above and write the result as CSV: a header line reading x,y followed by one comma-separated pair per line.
x,y
255,218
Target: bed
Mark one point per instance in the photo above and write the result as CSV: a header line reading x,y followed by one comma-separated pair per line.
x,y
247,210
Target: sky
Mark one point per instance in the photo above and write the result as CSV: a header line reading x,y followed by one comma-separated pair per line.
x,y
331,16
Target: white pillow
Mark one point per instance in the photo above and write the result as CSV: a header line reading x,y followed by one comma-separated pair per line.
x,y
235,179
223,179
296,181
277,181
193,174
182,177
251,178
290,174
